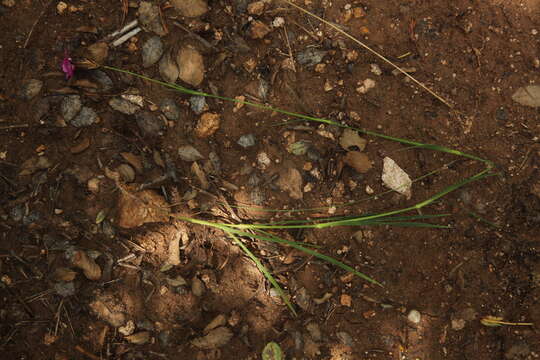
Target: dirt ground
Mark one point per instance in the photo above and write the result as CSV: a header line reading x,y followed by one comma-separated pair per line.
x,y
88,271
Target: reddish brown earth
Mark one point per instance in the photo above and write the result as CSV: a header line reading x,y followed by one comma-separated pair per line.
x,y
474,54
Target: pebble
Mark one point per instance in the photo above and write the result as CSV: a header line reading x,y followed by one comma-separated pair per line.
x,y
207,125
189,153
376,69
148,123
414,316
278,22
70,107
149,18
190,8
358,161
168,69
87,116
310,56
263,160
246,141
190,65
152,50
170,109
258,29
367,85
31,88
104,81
198,104
124,106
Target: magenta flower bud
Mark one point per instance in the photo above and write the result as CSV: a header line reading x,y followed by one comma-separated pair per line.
x,y
67,67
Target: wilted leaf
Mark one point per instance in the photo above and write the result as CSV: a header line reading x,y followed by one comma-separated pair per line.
x,y
528,95
272,351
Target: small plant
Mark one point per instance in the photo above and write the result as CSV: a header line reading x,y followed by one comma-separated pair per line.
x,y
393,218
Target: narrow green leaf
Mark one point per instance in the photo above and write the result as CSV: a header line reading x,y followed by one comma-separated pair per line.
x,y
264,271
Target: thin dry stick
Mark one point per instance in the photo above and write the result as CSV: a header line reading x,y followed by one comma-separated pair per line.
x,y
289,46
438,97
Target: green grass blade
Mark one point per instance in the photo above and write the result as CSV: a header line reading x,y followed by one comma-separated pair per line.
x,y
304,117
264,271
405,224
309,251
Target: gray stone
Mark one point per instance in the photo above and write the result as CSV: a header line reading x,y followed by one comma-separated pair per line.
x,y
170,109
152,50
310,56
70,107
86,117
124,106
198,104
104,81
31,88
246,141
148,123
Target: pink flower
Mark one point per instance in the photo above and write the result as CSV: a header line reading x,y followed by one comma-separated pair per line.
x,y
67,67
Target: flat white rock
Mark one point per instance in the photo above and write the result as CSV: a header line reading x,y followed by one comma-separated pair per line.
x,y
395,178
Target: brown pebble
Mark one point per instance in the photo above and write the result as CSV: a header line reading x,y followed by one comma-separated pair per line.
x,y
208,124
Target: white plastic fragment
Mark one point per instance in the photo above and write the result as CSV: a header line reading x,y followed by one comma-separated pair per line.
x,y
395,178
